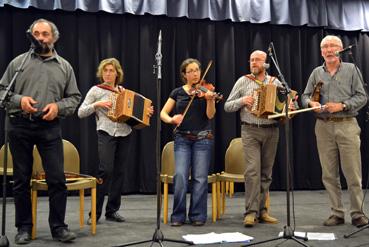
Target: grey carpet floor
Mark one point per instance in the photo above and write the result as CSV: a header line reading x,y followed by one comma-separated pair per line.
x,y
309,210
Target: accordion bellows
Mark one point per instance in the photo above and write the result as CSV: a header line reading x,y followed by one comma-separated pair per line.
x,y
131,108
268,100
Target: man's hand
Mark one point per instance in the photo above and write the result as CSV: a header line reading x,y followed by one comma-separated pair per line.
x,y
333,107
50,112
27,104
248,101
317,104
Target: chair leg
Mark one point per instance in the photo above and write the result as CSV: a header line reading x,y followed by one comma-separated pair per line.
x,y
218,199
223,197
34,212
165,204
227,188
213,201
81,207
93,211
231,189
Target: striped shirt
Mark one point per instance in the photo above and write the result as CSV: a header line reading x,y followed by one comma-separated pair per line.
x,y
246,87
102,121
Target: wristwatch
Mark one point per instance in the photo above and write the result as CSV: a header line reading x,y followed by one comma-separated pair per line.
x,y
344,107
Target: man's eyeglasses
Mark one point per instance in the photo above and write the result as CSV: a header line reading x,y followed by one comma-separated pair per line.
x,y
326,46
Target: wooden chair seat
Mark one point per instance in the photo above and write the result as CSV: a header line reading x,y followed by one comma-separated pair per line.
x,y
80,183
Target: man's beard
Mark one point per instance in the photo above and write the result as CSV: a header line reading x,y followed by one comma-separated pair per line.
x,y
256,71
44,48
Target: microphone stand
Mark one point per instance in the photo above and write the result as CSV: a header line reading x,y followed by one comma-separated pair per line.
x,y
288,232
158,236
4,101
366,120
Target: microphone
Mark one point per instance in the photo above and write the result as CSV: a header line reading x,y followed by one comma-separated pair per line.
x,y
270,48
35,44
348,48
158,56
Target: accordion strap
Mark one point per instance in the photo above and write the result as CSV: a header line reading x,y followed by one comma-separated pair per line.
x,y
106,87
253,78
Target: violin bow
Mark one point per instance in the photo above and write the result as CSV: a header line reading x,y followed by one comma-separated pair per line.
x,y
193,96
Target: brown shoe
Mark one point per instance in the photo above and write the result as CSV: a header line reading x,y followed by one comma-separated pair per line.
x,y
359,221
334,220
266,218
250,220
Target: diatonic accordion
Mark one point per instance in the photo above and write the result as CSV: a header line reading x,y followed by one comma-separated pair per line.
x,y
269,99
131,108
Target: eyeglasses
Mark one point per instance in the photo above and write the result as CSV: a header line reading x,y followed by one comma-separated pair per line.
x,y
256,60
193,71
326,46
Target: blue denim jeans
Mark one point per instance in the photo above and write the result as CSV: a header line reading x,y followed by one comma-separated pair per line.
x,y
191,156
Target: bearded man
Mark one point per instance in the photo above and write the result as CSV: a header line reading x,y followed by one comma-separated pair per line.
x,y
45,91
259,137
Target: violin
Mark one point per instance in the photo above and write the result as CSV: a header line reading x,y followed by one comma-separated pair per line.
x,y
315,96
201,88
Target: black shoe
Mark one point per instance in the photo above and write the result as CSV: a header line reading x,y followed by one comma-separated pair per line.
x,y
23,237
63,235
198,223
115,217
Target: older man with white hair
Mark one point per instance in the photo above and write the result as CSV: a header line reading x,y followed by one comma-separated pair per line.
x,y
336,129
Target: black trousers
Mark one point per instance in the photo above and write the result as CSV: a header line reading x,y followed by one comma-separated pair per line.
x,y
23,135
112,155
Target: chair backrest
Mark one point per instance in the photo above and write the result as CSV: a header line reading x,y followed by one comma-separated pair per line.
x,y
167,159
71,159
10,158
235,158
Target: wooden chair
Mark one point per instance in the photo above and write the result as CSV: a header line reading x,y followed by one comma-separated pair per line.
x,y
9,170
167,175
234,170
79,182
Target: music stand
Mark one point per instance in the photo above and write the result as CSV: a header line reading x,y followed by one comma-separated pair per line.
x,y
158,236
367,115
4,100
288,232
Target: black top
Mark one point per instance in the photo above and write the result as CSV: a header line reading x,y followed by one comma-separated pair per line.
x,y
196,118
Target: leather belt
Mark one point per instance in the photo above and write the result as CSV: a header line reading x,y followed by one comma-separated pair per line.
x,y
273,125
334,119
196,136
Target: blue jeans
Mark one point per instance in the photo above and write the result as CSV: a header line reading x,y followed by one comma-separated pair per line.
x,y
194,154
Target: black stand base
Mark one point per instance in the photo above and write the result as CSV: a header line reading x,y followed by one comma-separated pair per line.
x,y
287,234
358,230
4,241
158,237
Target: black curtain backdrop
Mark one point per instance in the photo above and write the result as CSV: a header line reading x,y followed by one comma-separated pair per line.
x,y
86,38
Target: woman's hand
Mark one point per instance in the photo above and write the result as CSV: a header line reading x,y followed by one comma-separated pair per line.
x,y
150,111
177,119
105,104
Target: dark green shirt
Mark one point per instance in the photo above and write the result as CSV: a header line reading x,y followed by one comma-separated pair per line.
x,y
49,80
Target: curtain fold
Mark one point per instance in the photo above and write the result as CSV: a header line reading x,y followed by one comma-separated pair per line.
x,y
345,15
87,38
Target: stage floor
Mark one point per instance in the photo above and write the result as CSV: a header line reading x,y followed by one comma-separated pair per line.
x,y
310,208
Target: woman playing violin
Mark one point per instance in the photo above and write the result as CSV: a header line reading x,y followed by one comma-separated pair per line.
x,y
193,141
